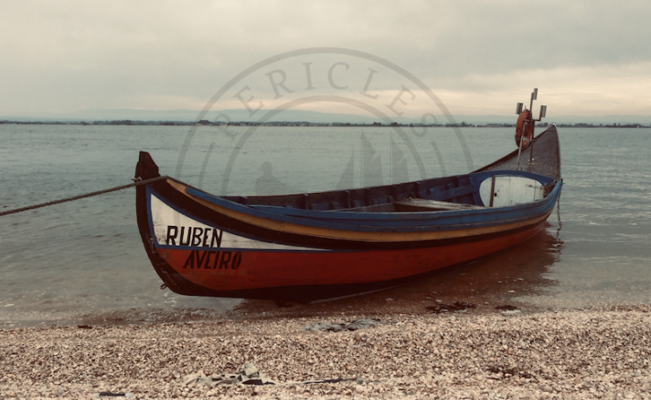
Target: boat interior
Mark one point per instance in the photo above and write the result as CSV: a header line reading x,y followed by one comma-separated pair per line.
x,y
438,194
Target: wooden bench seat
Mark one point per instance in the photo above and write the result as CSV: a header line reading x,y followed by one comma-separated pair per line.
x,y
414,205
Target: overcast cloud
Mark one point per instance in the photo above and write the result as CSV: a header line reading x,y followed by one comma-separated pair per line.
x,y
586,57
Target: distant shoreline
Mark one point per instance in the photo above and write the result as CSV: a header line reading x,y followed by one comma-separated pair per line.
x,y
303,123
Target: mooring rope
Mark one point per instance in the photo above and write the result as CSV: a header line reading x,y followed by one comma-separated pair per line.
x,y
82,196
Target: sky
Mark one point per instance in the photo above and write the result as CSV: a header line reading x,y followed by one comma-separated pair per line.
x,y
587,58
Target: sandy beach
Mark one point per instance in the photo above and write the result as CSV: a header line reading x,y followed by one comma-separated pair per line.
x,y
469,355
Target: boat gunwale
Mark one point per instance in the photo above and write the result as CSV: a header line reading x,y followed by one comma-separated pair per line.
x,y
444,220
335,230
347,239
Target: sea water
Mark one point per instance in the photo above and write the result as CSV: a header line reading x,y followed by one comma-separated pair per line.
x,y
84,260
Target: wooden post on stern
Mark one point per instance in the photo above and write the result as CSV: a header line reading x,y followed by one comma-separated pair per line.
x,y
530,120
541,115
534,96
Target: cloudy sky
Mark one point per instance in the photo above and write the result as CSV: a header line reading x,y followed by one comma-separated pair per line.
x,y
588,58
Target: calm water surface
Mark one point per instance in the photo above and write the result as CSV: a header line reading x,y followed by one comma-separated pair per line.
x,y
84,261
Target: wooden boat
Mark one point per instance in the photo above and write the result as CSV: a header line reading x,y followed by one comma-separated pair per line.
x,y
307,247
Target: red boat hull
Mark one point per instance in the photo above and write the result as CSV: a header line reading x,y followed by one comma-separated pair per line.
x,y
229,270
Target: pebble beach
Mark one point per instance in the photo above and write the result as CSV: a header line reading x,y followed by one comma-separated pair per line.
x,y
578,354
